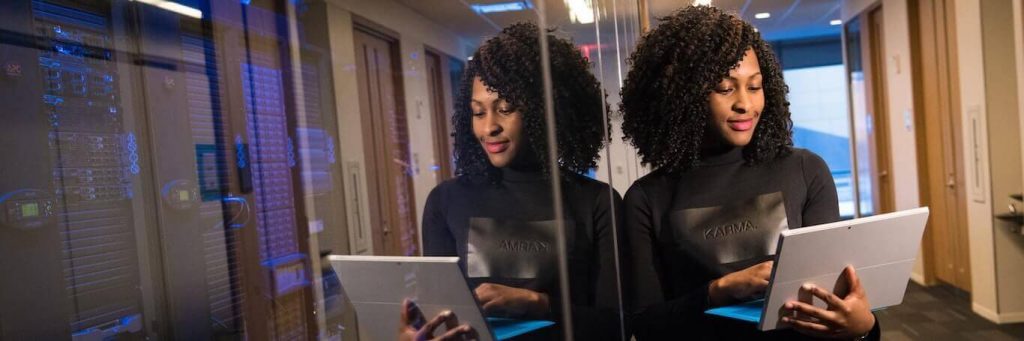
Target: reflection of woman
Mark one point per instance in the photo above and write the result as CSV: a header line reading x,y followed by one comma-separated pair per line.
x,y
497,214
705,105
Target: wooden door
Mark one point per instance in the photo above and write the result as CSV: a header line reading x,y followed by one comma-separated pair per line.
x,y
878,116
386,144
938,139
441,113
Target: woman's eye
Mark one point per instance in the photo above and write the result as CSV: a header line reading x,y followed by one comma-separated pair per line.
x,y
505,111
754,88
724,91
478,113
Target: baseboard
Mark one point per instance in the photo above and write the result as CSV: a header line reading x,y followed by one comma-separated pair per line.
x,y
1017,317
918,278
995,317
985,312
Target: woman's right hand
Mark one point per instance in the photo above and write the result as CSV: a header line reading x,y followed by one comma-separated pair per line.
x,y
411,330
740,285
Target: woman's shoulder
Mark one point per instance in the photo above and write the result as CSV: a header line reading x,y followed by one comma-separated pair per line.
x,y
808,160
587,185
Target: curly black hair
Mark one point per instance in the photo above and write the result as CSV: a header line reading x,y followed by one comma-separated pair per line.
x,y
509,64
674,69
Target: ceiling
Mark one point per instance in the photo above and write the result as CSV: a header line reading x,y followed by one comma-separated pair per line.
x,y
790,19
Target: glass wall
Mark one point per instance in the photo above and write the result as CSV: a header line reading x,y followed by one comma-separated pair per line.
x,y
185,169
335,169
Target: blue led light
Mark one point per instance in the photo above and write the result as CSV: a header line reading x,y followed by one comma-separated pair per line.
x,y
331,158
133,153
291,153
240,152
502,7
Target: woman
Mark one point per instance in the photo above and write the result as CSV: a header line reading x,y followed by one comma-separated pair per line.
x,y
497,215
705,105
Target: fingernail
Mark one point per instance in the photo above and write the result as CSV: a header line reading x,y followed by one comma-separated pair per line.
x,y
785,319
789,305
808,287
447,313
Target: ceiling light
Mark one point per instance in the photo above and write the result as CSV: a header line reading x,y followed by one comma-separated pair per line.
x,y
511,6
763,15
702,2
835,22
175,7
580,11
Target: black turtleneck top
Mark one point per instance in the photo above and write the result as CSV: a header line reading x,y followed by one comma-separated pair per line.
x,y
688,229
504,233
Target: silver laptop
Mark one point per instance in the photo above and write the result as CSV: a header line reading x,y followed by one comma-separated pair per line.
x,y
882,248
377,285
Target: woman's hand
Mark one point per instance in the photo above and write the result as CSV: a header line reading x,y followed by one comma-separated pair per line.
x,y
740,285
845,318
500,300
412,327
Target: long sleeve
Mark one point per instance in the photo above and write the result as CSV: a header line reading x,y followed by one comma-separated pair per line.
x,y
437,237
654,317
822,205
600,319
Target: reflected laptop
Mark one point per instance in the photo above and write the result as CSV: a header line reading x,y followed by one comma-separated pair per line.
x,y
377,285
881,248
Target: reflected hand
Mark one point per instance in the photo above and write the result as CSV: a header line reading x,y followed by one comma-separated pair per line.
x,y
412,327
740,285
500,300
845,318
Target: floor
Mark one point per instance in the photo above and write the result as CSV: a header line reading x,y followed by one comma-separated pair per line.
x,y
941,313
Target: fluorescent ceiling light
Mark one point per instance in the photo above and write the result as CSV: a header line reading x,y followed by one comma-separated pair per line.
x,y
702,2
511,6
835,22
174,7
763,15
580,11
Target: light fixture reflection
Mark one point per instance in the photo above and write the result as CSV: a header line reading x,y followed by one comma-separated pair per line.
x,y
763,15
835,22
174,7
580,11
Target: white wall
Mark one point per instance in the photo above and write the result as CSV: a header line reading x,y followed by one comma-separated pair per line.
x,y
414,31
973,109
900,93
1004,145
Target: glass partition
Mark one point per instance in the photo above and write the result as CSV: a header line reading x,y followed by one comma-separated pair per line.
x,y
187,169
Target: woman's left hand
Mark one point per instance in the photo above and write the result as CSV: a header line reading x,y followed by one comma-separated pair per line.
x,y
501,300
846,318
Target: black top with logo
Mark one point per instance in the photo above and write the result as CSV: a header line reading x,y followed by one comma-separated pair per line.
x,y
688,229
504,233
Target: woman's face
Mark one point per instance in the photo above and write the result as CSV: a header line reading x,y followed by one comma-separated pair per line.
x,y
496,124
737,101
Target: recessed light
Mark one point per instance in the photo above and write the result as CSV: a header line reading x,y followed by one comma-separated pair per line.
x,y
702,2
835,22
763,15
511,6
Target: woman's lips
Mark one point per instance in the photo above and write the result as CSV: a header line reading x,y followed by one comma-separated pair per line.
x,y
743,125
495,147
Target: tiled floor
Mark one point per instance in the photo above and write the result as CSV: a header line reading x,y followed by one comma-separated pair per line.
x,y
941,313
